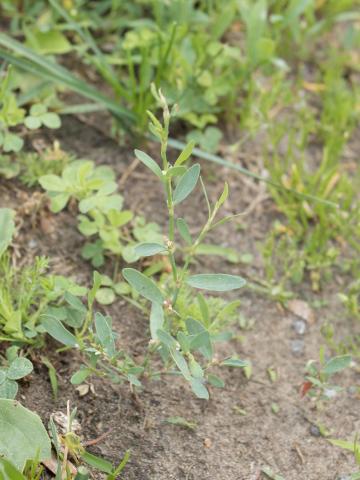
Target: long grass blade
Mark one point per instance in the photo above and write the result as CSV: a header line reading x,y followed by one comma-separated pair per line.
x,y
49,70
34,64
177,145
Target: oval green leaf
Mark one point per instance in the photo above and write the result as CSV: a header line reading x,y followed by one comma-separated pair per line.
x,y
185,154
217,282
143,285
57,330
336,364
235,362
186,184
80,376
148,249
7,228
156,320
149,163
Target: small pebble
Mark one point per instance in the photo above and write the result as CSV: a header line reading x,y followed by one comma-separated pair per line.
x,y
32,243
297,347
352,390
330,393
315,431
344,477
299,326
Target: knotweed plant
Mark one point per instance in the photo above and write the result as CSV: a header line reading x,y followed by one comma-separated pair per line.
x,y
183,342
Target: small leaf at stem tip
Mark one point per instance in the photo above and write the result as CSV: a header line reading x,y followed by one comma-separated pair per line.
x,y
184,230
175,171
148,249
217,282
223,196
185,154
149,163
143,285
186,184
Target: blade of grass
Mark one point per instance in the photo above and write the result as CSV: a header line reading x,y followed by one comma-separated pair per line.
x,y
177,145
103,65
50,71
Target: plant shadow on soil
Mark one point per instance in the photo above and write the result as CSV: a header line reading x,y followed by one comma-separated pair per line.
x,y
225,444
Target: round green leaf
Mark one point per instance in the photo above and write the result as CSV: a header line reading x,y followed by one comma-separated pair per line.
x,y
52,183
51,120
32,122
105,296
37,109
19,368
217,282
8,389
12,142
23,435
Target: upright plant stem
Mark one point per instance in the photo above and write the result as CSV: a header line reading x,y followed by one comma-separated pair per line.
x,y
169,199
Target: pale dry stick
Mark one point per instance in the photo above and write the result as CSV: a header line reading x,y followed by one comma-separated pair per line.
x,y
128,171
299,452
66,450
99,439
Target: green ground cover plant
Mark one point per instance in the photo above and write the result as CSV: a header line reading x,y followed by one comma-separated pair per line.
x,y
179,335
272,87
25,430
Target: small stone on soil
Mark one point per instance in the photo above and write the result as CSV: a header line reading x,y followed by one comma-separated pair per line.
x,y
299,326
352,390
32,243
315,431
297,347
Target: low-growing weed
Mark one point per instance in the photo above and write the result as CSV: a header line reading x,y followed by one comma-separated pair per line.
x,y
25,293
112,230
14,368
182,340
315,234
183,326
34,447
318,375
91,186
11,115
352,446
93,337
30,166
